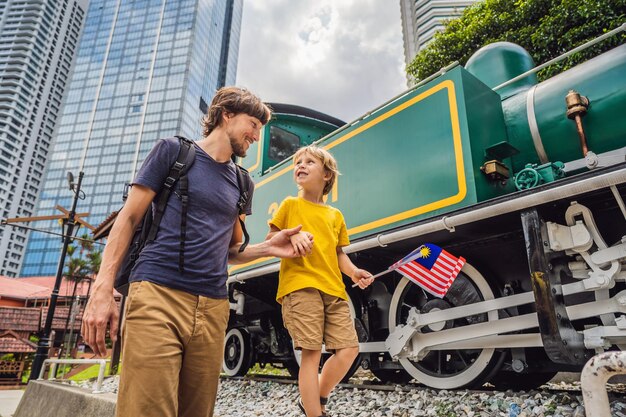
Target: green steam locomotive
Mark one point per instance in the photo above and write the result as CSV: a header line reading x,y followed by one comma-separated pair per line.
x,y
523,179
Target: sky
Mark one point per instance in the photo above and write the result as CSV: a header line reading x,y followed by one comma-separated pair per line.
x,y
340,57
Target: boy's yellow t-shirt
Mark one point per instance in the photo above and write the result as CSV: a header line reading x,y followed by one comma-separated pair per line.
x,y
320,268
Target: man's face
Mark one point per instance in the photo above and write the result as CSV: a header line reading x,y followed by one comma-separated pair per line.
x,y
243,130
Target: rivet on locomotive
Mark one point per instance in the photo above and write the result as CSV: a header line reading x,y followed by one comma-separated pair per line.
x,y
524,180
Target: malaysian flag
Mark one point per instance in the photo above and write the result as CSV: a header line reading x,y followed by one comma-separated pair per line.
x,y
430,267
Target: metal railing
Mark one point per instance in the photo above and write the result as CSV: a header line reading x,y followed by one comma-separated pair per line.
x,y
55,362
560,58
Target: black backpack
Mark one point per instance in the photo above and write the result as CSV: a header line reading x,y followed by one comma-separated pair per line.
x,y
149,226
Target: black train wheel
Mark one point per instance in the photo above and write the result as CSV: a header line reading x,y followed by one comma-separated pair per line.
x,y
237,352
454,368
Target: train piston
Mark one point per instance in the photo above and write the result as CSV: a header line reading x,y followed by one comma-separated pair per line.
x,y
396,343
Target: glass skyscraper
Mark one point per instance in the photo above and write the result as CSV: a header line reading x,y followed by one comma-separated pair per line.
x,y
421,19
38,42
145,70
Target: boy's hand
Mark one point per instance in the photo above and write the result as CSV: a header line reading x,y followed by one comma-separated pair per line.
x,y
362,278
281,246
302,243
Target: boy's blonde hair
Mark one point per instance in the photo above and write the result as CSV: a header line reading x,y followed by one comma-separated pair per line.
x,y
328,161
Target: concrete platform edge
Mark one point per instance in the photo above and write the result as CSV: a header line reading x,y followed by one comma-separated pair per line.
x,y
54,399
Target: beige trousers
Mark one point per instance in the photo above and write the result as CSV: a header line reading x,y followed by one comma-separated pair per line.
x,y
172,351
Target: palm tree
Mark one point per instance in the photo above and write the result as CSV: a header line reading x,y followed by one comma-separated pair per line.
x,y
86,263
83,265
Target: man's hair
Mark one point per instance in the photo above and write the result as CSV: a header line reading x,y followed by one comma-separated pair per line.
x,y
234,100
328,162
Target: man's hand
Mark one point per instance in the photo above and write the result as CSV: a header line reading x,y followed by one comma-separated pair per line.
x,y
100,311
277,243
282,245
362,278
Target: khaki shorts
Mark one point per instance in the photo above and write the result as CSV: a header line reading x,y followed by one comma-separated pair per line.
x,y
313,317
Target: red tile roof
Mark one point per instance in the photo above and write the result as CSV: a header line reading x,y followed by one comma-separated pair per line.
x,y
15,288
10,342
20,319
38,288
65,289
60,319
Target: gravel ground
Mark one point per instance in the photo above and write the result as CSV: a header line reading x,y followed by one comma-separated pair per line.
x,y
251,398
247,398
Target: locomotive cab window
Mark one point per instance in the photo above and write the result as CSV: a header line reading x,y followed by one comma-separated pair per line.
x,y
282,145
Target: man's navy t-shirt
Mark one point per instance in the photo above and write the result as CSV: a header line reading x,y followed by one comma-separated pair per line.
x,y
211,215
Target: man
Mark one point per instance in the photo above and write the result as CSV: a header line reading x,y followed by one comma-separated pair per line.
x,y
173,333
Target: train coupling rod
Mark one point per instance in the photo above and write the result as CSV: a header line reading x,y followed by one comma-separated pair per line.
x,y
398,343
593,380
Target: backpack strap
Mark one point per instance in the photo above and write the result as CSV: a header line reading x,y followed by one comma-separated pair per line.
x,y
183,186
185,159
184,200
243,182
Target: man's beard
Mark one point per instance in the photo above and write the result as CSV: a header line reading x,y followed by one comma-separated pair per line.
x,y
238,149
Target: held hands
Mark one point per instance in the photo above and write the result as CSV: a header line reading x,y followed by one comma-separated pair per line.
x,y
100,311
362,278
302,243
282,246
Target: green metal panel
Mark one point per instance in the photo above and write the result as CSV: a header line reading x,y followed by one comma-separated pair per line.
x,y
499,62
408,160
486,128
603,81
307,129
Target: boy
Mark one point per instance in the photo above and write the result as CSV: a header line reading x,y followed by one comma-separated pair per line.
x,y
310,288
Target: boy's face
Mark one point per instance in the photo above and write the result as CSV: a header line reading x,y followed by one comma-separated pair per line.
x,y
309,172
243,130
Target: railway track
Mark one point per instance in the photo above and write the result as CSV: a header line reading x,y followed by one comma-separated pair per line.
x,y
560,385
256,395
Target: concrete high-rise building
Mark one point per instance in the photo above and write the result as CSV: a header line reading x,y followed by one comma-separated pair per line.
x,y
422,18
38,41
145,70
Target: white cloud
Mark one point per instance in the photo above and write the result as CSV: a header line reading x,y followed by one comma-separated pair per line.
x,y
343,57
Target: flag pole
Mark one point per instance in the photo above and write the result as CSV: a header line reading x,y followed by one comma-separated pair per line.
x,y
394,266
386,271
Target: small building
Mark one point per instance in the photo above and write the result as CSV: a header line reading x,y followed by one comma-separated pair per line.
x,y
11,370
24,306
16,325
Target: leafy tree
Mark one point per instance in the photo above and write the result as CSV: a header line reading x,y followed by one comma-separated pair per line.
x,y
545,28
